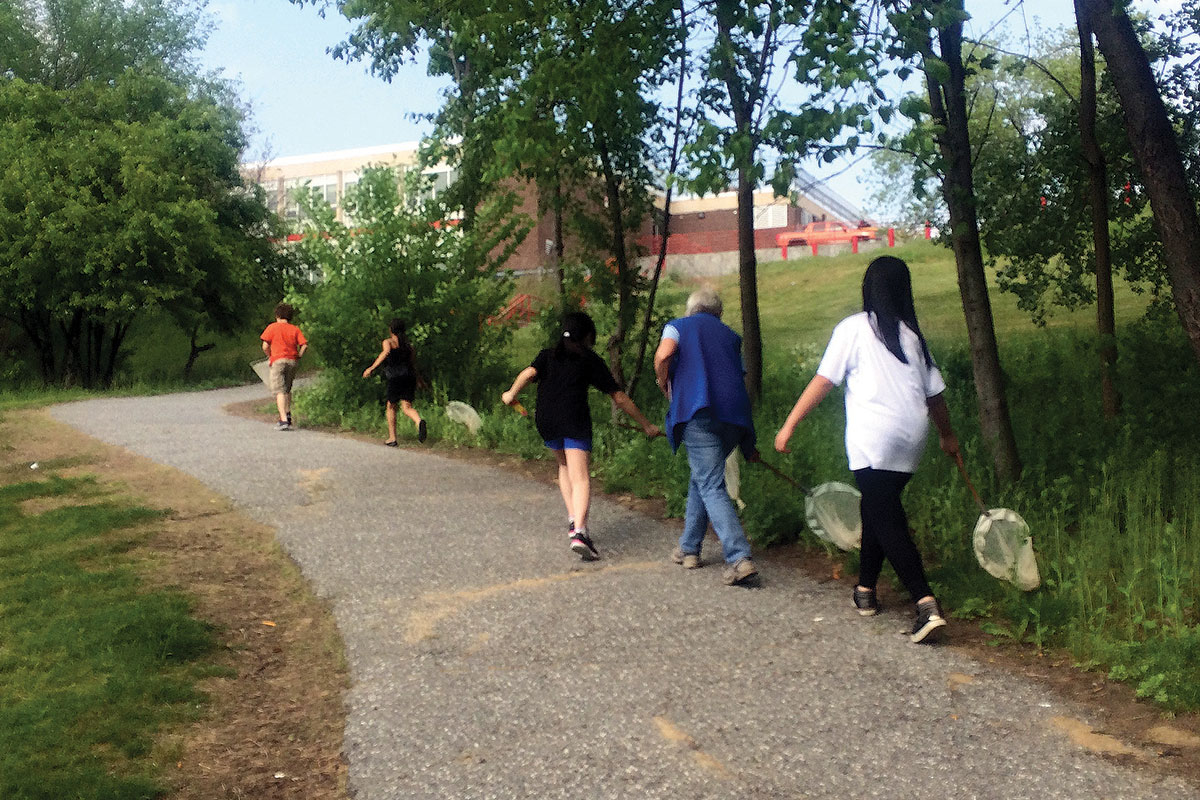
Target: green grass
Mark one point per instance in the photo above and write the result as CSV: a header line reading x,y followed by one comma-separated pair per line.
x,y
92,663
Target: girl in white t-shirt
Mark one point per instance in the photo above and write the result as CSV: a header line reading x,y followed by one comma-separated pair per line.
x,y
893,389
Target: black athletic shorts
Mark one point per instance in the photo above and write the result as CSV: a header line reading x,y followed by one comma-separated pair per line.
x,y
402,388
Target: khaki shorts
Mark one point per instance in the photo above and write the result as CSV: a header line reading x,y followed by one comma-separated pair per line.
x,y
283,372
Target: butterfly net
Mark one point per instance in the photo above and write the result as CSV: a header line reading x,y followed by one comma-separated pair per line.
x,y
833,514
463,414
1004,548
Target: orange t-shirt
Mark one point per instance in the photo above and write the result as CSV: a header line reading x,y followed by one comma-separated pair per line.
x,y
285,340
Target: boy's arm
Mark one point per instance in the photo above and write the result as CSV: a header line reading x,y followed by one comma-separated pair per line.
x,y
524,378
627,405
266,346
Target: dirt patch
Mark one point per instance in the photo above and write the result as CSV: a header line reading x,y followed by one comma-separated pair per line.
x,y
274,724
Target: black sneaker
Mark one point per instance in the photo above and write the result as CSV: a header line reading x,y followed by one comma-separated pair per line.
x,y
929,623
866,602
422,431
581,543
283,425
289,418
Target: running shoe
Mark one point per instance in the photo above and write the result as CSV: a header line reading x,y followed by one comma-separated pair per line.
x,y
581,543
740,572
686,560
929,624
866,602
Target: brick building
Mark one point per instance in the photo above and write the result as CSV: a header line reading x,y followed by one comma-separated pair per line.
x,y
703,230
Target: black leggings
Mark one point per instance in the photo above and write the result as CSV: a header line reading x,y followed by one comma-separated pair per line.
x,y
885,532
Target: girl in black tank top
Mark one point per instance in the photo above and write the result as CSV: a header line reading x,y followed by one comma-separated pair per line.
x,y
400,373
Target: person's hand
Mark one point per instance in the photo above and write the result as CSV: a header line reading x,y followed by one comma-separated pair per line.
x,y
781,440
508,397
949,445
652,430
367,372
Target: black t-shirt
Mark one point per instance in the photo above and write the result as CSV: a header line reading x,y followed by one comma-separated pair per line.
x,y
563,381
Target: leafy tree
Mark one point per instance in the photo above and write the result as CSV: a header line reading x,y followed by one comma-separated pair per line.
x,y
1156,146
63,43
862,43
740,65
401,260
116,197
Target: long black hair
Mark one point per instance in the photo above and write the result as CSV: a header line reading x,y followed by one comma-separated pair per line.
x,y
887,297
399,329
578,333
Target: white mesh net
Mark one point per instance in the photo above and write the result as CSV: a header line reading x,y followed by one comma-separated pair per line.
x,y
262,368
733,480
464,415
833,514
1004,548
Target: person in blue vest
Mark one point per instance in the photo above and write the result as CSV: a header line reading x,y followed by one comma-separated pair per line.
x,y
698,366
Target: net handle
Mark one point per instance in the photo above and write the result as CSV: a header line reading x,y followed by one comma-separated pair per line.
x,y
787,478
962,470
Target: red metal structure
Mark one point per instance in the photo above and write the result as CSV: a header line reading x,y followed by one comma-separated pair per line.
x,y
815,234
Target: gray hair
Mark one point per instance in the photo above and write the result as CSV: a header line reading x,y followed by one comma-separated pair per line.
x,y
704,300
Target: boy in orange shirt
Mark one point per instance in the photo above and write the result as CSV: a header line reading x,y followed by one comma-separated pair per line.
x,y
284,345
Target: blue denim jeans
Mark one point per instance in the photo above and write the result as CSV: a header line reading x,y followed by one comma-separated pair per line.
x,y
709,442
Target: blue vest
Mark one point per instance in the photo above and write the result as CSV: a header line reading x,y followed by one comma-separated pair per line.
x,y
707,372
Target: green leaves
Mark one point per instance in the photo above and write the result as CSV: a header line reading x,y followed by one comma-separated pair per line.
x,y
117,197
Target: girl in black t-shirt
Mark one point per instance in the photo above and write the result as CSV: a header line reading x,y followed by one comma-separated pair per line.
x,y
400,372
563,374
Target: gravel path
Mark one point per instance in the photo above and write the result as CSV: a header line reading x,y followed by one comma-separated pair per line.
x,y
488,662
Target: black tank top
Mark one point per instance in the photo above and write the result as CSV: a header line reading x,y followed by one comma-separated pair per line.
x,y
395,364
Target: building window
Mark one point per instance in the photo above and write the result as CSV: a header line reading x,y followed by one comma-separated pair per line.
x,y
772,216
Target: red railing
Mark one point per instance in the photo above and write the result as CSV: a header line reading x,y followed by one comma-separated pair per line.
x,y
520,308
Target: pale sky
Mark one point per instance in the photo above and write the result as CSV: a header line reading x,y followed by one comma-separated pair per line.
x,y
303,101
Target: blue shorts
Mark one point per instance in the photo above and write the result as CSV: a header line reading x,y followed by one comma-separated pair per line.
x,y
567,443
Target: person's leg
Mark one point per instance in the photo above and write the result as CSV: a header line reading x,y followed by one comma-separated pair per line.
x,y
390,413
891,528
870,559
695,518
581,486
282,404
709,442
410,412
564,481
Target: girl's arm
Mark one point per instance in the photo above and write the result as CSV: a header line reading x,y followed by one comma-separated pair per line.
x,y
387,346
524,378
940,414
627,405
810,398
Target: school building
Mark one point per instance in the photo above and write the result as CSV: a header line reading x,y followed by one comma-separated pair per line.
x,y
702,235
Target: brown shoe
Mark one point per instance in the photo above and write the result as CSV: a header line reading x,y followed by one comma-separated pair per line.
x,y
686,560
739,572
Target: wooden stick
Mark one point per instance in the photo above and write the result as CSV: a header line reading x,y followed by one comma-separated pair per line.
x,y
962,469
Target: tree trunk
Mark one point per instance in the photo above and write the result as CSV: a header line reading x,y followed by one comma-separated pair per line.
x,y
748,284
612,186
195,352
1098,208
1157,151
958,188
665,230
560,247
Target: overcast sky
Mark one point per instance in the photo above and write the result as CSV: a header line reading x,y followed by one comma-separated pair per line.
x,y
303,101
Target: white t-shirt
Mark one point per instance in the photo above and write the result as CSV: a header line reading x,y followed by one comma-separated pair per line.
x,y
887,420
